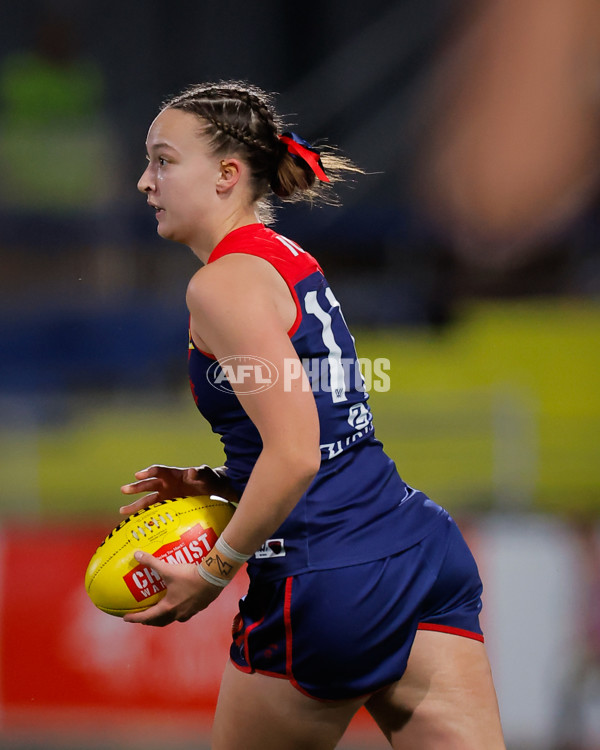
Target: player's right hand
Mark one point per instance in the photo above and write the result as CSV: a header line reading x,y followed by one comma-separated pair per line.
x,y
187,593
166,482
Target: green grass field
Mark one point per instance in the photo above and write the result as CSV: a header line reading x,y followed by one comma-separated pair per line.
x,y
500,410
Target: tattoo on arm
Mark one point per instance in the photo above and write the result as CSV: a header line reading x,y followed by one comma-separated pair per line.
x,y
224,568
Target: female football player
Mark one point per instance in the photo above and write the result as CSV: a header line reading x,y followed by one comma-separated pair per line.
x,y
362,590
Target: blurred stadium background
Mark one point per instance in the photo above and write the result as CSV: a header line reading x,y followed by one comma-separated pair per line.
x,y
468,256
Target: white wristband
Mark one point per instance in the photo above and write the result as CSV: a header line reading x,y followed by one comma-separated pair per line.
x,y
215,580
222,546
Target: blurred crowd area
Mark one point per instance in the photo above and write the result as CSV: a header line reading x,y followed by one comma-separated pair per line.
x,y
476,122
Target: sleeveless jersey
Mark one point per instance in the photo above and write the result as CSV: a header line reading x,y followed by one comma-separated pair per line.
x,y
357,508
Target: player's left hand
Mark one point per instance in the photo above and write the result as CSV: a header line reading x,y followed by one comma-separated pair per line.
x,y
166,482
187,593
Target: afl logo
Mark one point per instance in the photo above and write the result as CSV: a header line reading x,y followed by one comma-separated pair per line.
x,y
242,374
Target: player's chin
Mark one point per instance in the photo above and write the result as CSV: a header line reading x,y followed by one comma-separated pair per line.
x,y
167,231
162,229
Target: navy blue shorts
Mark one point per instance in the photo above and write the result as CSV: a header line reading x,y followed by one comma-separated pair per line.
x,y
346,632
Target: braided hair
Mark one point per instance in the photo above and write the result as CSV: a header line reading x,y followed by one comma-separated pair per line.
x,y
238,118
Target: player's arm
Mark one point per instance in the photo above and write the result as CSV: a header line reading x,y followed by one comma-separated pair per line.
x,y
236,309
234,312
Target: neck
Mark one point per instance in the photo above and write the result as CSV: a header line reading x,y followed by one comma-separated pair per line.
x,y
203,248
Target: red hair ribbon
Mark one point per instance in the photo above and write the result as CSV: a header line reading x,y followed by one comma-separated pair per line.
x,y
299,147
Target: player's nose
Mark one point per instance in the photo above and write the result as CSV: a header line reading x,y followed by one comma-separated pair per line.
x,y
145,183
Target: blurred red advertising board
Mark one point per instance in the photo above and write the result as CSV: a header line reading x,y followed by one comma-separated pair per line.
x,y
61,658
58,650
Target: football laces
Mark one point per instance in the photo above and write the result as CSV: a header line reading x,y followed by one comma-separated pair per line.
x,y
151,526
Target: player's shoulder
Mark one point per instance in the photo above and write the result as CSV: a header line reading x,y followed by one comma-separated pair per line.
x,y
231,269
238,277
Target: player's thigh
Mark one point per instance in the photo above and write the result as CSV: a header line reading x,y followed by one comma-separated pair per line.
x,y
445,699
256,712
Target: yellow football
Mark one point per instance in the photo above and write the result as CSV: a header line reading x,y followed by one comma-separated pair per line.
x,y
182,530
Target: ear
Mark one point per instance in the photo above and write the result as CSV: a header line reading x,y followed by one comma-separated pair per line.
x,y
230,173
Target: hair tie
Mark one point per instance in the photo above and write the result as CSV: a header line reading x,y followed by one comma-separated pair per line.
x,y
298,147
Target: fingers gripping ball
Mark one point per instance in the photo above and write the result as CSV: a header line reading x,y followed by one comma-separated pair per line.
x,y
182,530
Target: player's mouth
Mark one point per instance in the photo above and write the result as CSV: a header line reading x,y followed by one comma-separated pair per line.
x,y
157,209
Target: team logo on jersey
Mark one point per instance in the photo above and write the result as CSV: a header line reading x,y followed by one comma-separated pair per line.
x,y
271,548
242,374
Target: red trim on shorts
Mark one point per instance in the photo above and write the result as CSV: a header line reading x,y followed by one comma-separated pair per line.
x,y
287,619
247,632
245,670
294,683
266,673
448,629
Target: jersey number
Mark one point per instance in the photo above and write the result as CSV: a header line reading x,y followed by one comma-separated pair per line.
x,y
334,358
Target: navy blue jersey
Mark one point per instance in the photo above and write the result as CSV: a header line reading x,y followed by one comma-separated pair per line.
x,y
357,508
